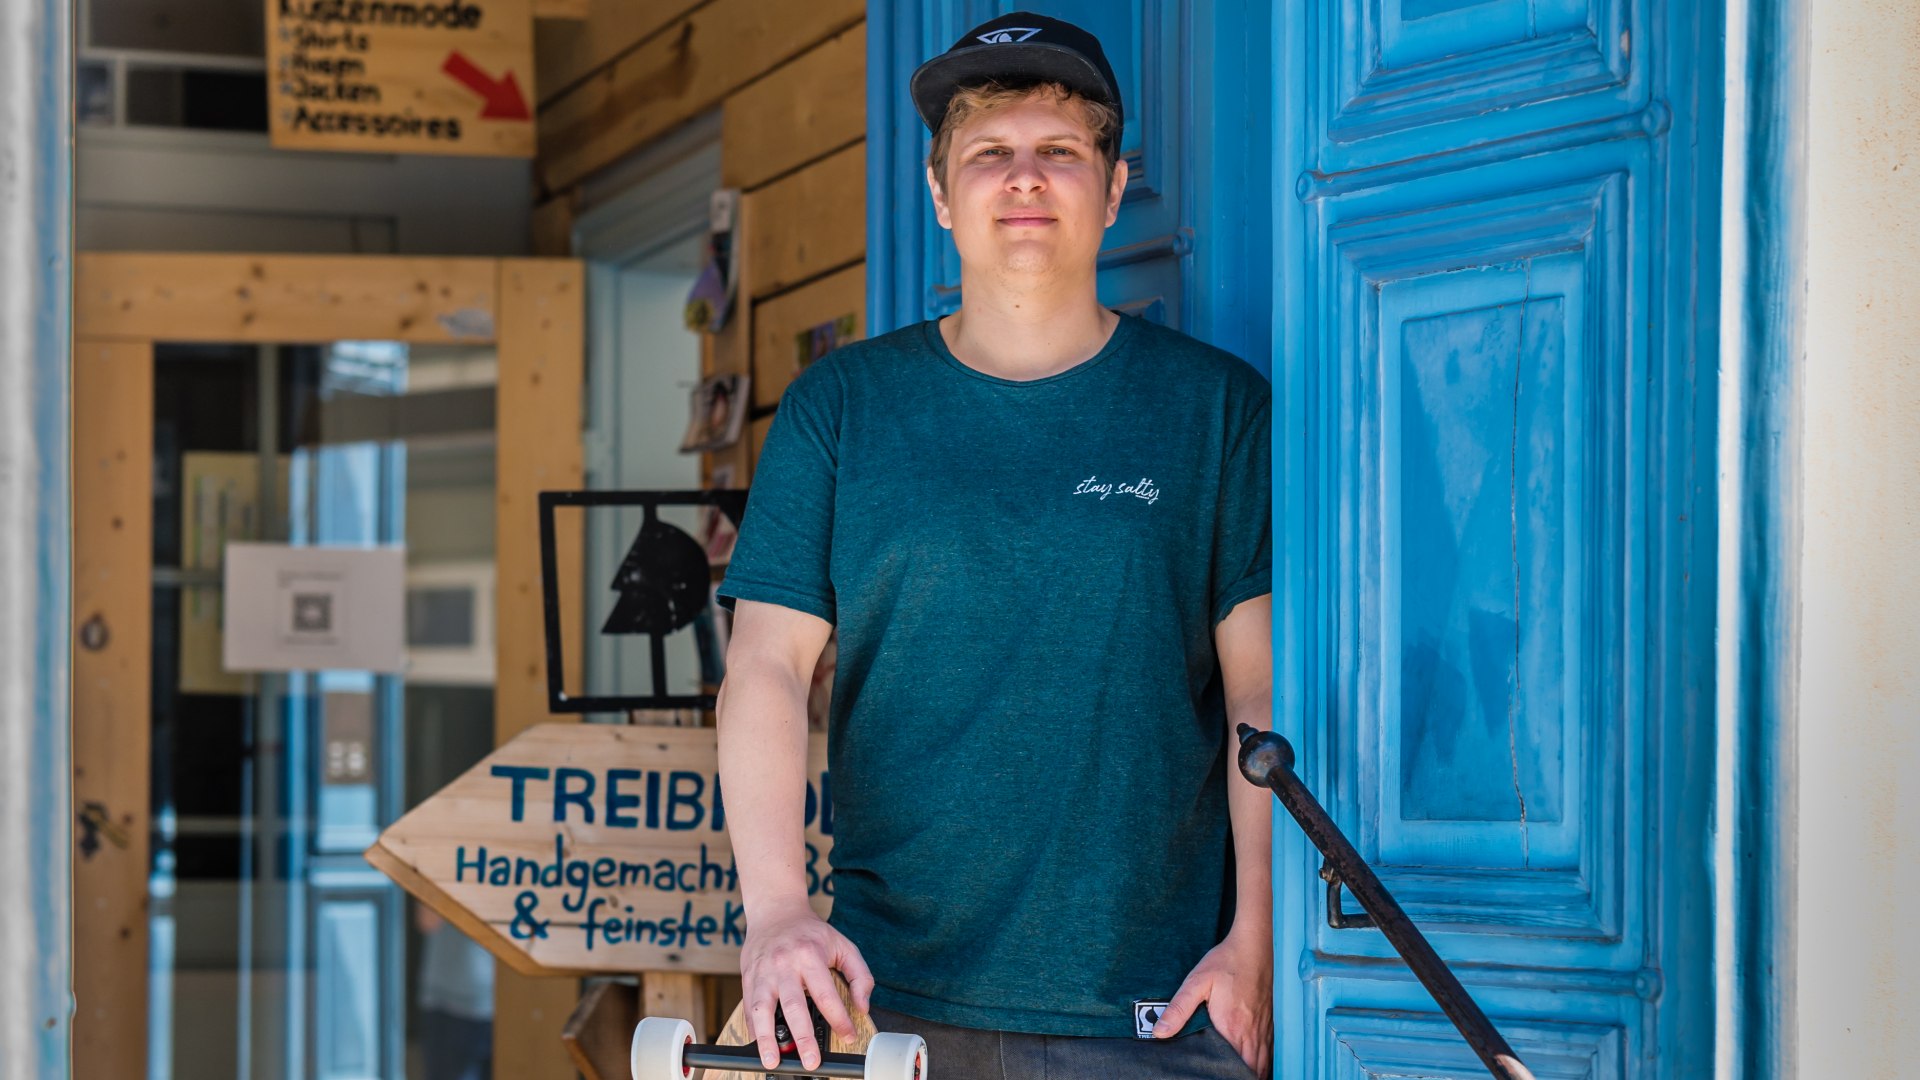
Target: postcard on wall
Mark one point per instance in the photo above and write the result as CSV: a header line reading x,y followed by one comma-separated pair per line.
x,y
719,410
719,533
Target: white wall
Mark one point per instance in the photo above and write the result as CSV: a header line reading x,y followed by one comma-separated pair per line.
x,y
660,363
1859,709
638,413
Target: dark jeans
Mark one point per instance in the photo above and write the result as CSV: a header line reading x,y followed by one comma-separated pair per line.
x,y
955,1053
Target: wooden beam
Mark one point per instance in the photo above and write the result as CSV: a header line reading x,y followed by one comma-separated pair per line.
x,y
283,298
542,357
112,661
802,111
808,223
686,69
599,1034
566,52
679,994
552,227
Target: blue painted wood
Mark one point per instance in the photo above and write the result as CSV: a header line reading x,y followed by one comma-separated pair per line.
x,y
1767,257
36,835
1496,559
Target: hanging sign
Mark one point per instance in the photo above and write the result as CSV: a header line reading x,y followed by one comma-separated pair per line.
x,y
401,76
580,848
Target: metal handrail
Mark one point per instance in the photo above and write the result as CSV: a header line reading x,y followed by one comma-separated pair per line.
x,y
1266,760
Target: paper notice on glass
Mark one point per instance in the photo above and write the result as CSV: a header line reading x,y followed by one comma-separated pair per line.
x,y
315,608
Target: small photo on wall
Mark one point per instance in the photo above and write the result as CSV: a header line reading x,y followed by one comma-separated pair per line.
x,y
719,533
719,411
817,341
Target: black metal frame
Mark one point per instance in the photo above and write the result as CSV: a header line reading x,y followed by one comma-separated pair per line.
x,y
1266,760
731,501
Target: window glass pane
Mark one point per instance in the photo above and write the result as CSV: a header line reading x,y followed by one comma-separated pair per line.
x,y
205,27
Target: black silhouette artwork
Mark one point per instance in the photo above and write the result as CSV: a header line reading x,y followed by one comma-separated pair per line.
x,y
663,585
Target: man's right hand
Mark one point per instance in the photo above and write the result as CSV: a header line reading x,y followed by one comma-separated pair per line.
x,y
789,955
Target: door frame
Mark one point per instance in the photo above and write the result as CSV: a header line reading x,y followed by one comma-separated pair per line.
x,y
1763,285
530,310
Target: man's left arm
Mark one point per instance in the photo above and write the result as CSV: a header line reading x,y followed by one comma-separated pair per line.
x,y
1235,979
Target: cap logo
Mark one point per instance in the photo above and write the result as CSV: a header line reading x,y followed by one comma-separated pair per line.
x,y
1007,35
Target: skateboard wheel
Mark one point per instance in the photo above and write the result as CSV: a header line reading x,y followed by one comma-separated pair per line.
x,y
659,1048
894,1055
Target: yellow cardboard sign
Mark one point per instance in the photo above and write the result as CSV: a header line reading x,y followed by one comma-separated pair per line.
x,y
582,848
401,76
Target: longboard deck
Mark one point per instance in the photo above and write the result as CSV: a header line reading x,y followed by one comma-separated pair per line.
x,y
736,1033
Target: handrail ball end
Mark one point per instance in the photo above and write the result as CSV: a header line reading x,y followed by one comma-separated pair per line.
x,y
1261,752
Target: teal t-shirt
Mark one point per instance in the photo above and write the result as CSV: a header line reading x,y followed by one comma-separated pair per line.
x,y
1027,738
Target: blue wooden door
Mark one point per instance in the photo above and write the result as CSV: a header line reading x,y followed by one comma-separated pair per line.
x,y
1472,241
1495,337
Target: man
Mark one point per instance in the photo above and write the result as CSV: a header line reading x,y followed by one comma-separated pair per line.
x,y
1042,530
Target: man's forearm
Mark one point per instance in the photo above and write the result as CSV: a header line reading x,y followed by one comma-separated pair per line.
x,y
762,716
1251,810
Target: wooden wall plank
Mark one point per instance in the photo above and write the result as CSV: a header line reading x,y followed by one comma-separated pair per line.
x,y
810,222
552,227
542,351
723,996
779,323
683,71
757,436
112,661
800,112
283,298
566,52
569,9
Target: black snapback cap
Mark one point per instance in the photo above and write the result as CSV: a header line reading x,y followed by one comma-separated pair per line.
x,y
1017,47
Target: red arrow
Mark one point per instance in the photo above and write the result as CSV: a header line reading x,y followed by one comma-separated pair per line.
x,y
502,95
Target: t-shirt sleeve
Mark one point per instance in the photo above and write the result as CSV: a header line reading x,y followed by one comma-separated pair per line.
x,y
1243,528
786,533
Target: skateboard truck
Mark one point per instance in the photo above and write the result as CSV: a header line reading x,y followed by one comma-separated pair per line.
x,y
663,1049
1266,760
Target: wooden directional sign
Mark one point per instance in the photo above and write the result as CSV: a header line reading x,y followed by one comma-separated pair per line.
x,y
580,848
401,76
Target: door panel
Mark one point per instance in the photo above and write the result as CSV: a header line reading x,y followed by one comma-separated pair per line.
x,y
1429,1047
1406,78
1492,435
1485,381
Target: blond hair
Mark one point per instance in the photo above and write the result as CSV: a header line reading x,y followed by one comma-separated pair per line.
x,y
991,96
